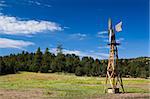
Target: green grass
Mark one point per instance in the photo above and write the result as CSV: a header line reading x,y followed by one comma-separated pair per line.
x,y
67,85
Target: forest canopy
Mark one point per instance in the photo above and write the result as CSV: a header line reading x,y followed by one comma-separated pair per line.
x,y
48,62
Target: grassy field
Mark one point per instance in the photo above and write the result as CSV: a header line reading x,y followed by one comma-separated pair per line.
x,y
41,85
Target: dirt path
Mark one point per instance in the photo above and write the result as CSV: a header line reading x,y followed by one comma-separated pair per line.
x,y
39,94
21,94
127,96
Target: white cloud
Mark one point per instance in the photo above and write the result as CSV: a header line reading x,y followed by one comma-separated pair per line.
x,y
95,55
104,47
120,40
106,40
39,3
15,26
10,43
2,3
66,27
102,34
65,51
78,36
47,5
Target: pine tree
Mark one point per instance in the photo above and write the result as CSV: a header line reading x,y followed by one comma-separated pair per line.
x,y
37,61
46,62
2,66
96,68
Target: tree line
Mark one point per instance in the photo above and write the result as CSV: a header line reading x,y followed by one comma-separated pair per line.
x,y
48,62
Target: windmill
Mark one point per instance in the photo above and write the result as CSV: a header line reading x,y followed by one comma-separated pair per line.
x,y
113,75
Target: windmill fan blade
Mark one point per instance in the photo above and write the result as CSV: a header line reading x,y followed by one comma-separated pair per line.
x,y
109,24
110,34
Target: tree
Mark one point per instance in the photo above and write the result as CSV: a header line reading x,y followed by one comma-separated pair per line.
x,y
10,65
96,71
72,61
103,67
86,64
2,66
46,62
58,63
79,71
37,61
54,66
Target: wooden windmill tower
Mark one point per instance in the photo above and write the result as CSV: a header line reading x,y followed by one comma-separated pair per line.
x,y
113,76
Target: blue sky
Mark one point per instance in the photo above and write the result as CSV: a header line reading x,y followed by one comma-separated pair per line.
x,y
79,25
